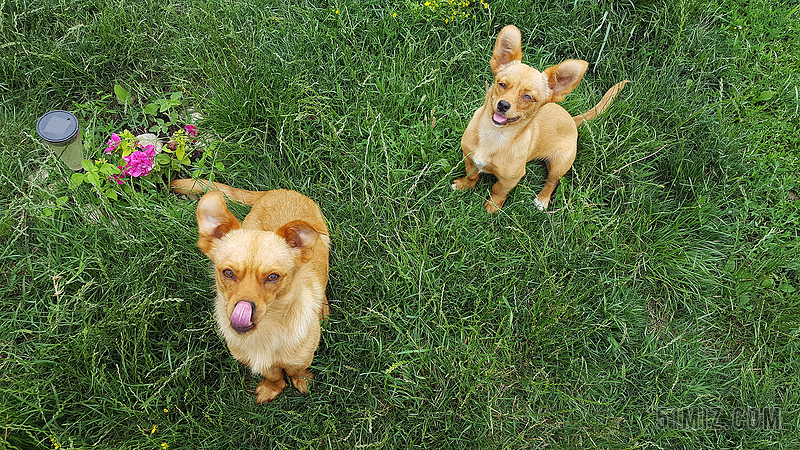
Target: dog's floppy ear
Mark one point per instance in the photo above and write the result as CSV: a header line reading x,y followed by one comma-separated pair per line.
x,y
213,220
508,48
564,77
300,235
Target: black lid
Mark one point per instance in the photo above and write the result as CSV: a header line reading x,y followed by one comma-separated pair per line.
x,y
57,126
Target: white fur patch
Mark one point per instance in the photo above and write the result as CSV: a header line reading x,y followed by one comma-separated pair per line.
x,y
479,163
539,204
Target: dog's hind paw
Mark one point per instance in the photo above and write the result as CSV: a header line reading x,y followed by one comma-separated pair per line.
x,y
302,382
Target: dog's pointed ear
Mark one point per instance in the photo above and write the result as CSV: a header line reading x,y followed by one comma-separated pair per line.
x,y
300,235
213,220
508,48
564,77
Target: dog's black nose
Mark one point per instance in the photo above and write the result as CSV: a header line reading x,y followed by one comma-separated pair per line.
x,y
503,106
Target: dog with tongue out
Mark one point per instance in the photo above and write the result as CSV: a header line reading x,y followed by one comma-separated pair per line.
x,y
271,272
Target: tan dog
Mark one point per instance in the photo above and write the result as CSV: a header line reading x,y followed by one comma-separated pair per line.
x,y
520,121
271,272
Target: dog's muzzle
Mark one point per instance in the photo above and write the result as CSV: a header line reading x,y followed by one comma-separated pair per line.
x,y
499,117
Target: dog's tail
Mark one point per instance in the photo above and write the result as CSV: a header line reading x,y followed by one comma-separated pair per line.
x,y
600,107
200,186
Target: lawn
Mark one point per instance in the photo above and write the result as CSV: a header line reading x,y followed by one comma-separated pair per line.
x,y
655,304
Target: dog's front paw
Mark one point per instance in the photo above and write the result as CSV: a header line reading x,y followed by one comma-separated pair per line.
x,y
541,205
266,391
462,184
491,206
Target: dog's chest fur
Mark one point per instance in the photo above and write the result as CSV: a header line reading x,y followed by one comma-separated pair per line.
x,y
496,147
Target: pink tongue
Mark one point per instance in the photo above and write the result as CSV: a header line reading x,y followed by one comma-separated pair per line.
x,y
241,315
498,118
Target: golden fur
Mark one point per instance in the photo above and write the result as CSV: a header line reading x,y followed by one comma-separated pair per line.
x,y
275,261
520,121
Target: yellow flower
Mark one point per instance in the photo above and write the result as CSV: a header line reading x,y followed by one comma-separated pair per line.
x,y
394,15
166,410
154,429
164,445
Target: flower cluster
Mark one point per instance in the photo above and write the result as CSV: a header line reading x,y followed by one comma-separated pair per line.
x,y
451,10
127,157
137,159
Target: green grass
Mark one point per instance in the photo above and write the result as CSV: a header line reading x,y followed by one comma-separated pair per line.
x,y
662,282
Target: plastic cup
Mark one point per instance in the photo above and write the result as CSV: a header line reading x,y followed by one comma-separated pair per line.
x,y
60,131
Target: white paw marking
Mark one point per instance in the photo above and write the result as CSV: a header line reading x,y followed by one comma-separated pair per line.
x,y
539,204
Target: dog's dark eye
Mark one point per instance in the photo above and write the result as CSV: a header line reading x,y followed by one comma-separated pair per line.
x,y
502,85
528,97
228,273
273,277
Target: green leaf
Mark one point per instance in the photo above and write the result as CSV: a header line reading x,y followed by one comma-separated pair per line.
x,y
93,177
111,194
163,159
764,96
109,169
730,266
122,95
87,165
176,96
77,179
151,109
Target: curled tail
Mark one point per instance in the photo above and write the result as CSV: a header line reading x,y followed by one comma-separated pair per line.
x,y
601,106
201,186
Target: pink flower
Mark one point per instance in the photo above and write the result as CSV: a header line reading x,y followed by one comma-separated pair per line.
x,y
140,162
118,177
112,143
191,130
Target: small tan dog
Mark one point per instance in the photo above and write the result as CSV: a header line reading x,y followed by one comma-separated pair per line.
x,y
271,273
520,121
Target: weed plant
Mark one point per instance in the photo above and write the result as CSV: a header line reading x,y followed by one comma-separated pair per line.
x,y
654,305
